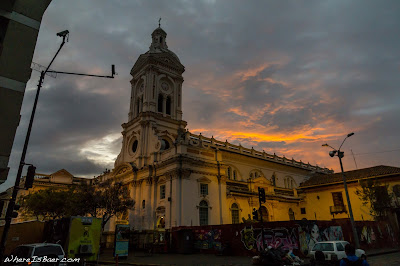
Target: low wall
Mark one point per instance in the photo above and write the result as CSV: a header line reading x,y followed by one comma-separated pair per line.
x,y
23,233
246,239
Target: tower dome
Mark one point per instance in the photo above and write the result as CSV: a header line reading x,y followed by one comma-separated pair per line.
x,y
159,43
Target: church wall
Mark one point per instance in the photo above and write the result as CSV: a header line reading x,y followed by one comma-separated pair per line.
x,y
199,159
244,208
188,203
244,165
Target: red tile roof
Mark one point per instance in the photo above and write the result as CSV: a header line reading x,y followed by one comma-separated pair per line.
x,y
324,179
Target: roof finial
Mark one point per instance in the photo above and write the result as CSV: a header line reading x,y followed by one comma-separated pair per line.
x,y
159,23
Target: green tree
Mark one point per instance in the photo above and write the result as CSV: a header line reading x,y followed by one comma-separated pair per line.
x,y
113,198
46,204
104,200
376,194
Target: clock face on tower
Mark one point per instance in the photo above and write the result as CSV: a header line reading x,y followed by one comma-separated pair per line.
x,y
164,86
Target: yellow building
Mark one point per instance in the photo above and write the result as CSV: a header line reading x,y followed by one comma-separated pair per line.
x,y
59,180
325,198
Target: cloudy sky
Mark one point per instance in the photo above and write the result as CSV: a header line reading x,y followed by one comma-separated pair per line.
x,y
279,76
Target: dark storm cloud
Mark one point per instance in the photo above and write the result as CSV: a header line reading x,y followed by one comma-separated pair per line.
x,y
309,71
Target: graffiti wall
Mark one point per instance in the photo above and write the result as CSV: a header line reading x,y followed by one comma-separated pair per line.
x,y
311,233
300,236
207,239
285,237
376,234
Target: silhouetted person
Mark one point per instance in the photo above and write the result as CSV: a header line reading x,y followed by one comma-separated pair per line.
x,y
352,259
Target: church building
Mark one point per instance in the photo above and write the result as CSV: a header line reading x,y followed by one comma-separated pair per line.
x,y
181,179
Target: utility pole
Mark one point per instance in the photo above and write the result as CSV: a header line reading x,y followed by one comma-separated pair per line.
x,y
10,208
340,155
261,199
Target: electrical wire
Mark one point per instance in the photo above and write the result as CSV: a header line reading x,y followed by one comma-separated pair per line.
x,y
377,152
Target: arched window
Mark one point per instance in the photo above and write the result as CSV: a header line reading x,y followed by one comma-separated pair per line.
x,y
289,182
168,109
141,104
264,212
234,174
160,103
291,215
203,212
251,175
229,173
235,213
137,106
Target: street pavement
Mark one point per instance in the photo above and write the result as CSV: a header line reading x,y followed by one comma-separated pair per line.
x,y
386,259
140,258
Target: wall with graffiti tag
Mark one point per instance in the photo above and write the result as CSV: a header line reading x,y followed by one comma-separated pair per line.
x,y
207,239
311,233
274,237
299,236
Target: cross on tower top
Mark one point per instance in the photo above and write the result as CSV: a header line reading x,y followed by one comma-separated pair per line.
x,y
159,23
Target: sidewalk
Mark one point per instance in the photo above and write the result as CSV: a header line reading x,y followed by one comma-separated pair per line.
x,y
142,258
380,251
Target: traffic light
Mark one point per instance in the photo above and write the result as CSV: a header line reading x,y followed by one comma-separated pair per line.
x,y
255,214
261,195
30,176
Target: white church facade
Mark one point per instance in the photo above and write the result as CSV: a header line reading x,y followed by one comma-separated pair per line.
x,y
181,179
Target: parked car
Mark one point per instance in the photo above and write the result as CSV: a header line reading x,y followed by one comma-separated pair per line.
x,y
38,255
333,251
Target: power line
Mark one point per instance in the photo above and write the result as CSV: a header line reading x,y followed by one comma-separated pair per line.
x,y
376,152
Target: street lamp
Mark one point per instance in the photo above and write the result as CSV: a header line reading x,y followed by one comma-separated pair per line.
x,y
340,155
9,214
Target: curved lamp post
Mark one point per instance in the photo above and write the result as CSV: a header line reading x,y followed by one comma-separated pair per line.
x,y
64,35
340,155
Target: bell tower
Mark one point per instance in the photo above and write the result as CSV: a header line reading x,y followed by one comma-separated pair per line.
x,y
157,80
155,113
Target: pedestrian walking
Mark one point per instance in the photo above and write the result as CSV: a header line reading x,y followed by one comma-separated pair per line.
x,y
352,259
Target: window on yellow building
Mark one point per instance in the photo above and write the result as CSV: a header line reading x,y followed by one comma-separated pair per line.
x,y
203,189
337,199
203,212
235,213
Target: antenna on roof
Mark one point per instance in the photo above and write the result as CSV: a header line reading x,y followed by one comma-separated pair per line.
x,y
159,23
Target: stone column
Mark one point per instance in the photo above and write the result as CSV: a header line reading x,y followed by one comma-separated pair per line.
x,y
137,185
148,207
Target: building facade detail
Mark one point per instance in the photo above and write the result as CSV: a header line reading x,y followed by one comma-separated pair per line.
x,y
180,178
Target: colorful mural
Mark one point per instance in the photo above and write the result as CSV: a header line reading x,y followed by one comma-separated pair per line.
x,y
252,238
311,233
207,239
